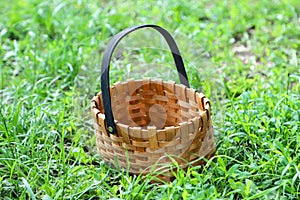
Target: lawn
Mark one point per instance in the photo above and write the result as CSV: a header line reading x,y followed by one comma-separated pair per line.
x,y
243,54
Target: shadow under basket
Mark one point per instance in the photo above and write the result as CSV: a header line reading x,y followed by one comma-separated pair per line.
x,y
157,123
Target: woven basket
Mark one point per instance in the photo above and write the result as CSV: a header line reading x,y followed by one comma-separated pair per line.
x,y
141,124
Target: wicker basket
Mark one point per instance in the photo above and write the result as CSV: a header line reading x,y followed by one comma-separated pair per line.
x,y
141,124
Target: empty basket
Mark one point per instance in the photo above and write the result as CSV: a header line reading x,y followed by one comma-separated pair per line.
x,y
141,125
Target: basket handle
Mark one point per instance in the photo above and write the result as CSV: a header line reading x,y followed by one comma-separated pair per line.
x,y
109,118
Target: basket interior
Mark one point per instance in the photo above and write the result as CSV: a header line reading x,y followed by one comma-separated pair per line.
x,y
142,103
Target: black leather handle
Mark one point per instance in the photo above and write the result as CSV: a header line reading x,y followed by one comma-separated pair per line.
x,y
109,118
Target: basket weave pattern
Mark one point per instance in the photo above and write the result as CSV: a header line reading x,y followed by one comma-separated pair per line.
x,y
154,119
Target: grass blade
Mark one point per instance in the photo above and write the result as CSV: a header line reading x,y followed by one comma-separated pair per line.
x,y
263,193
28,188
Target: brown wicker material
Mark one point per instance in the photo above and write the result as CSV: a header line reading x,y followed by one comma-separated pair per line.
x,y
154,119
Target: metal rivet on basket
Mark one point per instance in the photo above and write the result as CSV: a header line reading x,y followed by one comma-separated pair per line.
x,y
110,129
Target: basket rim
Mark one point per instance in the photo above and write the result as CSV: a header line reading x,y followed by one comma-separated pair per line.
x,y
142,128
152,79
118,123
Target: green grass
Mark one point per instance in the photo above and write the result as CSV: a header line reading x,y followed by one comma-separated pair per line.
x,y
244,55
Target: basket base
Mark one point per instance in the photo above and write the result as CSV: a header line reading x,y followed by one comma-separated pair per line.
x,y
167,174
